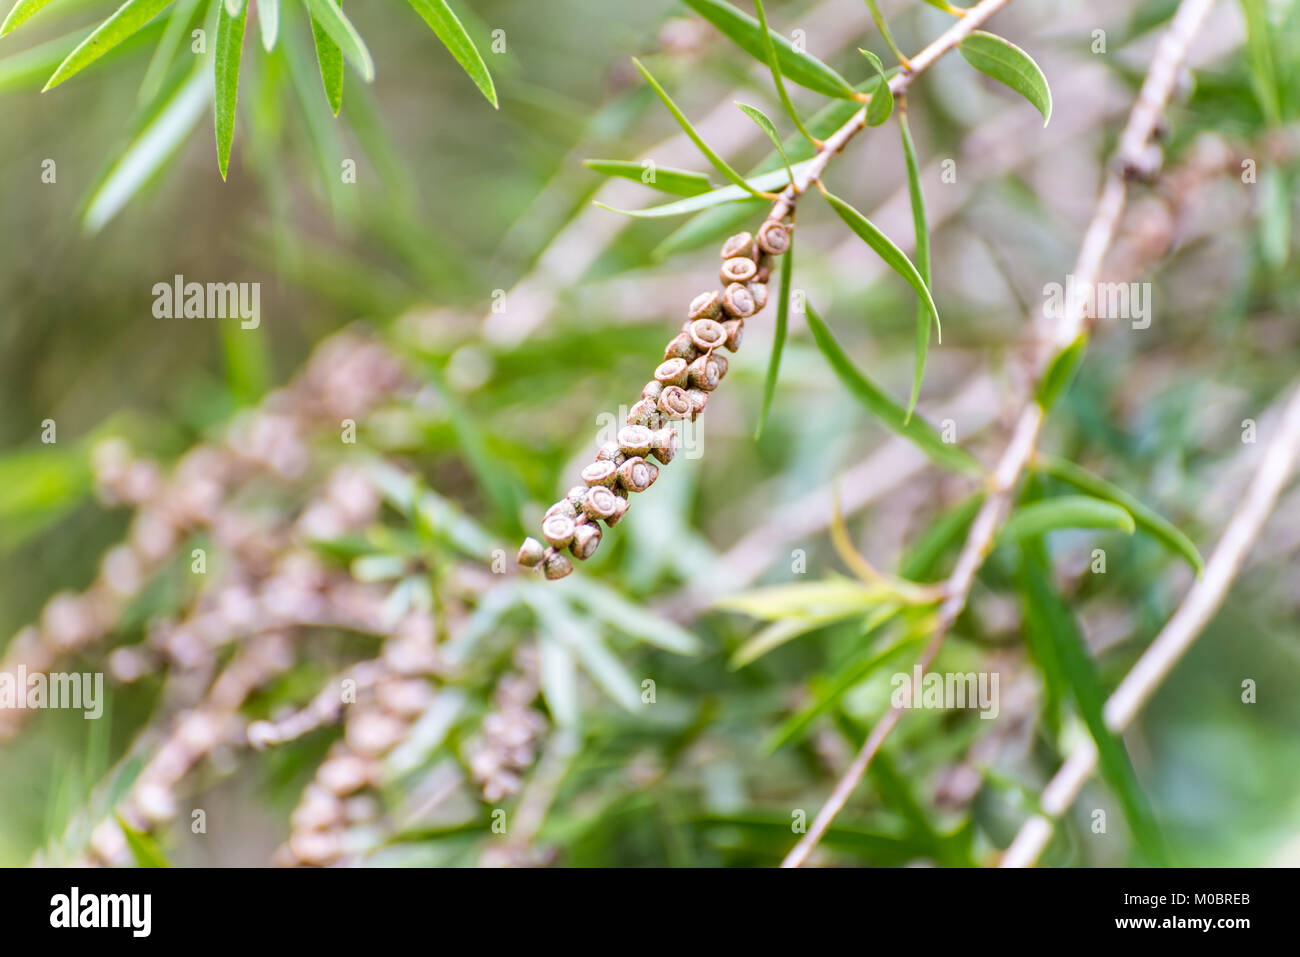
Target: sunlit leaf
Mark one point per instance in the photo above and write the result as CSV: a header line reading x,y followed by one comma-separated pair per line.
x,y
760,118
882,100
329,14
916,430
666,179
744,31
178,23
1060,372
21,12
268,18
456,39
129,18
143,847
330,59
823,600
1005,62
773,61
229,50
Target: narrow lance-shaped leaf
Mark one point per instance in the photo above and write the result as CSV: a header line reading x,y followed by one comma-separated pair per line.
x,y
916,430
1005,62
1060,372
666,179
921,231
1066,511
147,153
725,194
456,39
718,162
128,18
778,340
230,46
797,67
21,12
1080,673
882,99
761,120
330,59
234,7
774,65
1145,518
178,23
883,26
268,18
340,29
884,248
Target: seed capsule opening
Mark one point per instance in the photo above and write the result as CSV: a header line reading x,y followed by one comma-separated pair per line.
x,y
739,269
558,530
636,474
664,446
738,301
707,334
704,374
601,502
673,371
773,238
556,565
635,440
735,333
585,542
599,473
707,305
674,403
741,244
681,346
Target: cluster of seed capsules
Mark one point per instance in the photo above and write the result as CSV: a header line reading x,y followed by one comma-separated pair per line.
x,y
692,368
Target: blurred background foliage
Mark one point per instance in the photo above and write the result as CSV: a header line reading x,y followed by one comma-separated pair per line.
x,y
457,206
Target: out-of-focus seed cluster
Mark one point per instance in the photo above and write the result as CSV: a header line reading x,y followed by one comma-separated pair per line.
x,y
347,376
692,368
507,744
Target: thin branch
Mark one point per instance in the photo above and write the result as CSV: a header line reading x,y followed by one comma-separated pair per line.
x,y
1195,612
1132,156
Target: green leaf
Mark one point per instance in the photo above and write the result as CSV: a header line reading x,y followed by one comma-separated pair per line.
x,y
142,846
717,161
234,8
129,18
151,148
633,619
725,194
708,226
268,18
916,430
779,632
1007,63
1066,511
891,255
778,340
230,48
1060,372
744,31
178,23
1080,673
882,101
1145,518
921,560
456,39
330,16
921,231
827,600
330,58
774,65
764,124
1259,50
558,677
30,67
563,623
883,26
22,11
666,179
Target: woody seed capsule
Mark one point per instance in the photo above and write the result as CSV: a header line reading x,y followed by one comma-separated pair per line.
x,y
759,291
585,541
556,565
652,389
620,509
698,400
735,332
773,238
707,305
646,411
558,529
635,440
636,474
673,371
664,446
741,244
600,473
609,452
531,553
764,268
674,403
575,495
562,507
601,502
738,269
719,360
704,374
681,346
738,301
707,334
